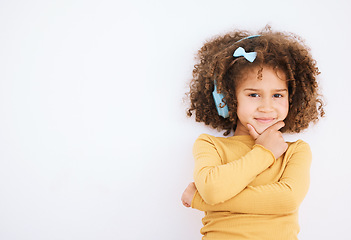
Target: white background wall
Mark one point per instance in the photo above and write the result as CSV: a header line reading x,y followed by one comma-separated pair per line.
x,y
94,141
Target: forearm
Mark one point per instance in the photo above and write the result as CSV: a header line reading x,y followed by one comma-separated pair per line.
x,y
277,198
280,197
218,183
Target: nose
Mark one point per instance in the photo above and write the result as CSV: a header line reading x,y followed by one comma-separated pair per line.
x,y
266,105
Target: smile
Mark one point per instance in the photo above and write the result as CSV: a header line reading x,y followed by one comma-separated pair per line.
x,y
264,120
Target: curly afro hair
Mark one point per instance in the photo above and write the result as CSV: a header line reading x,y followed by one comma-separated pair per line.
x,y
281,51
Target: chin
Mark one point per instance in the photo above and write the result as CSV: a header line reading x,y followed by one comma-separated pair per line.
x,y
261,129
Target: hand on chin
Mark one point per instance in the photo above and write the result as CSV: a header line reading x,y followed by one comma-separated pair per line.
x,y
260,128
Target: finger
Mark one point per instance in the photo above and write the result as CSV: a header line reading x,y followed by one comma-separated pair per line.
x,y
252,131
185,204
277,125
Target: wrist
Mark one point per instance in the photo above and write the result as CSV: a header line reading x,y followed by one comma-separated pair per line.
x,y
270,155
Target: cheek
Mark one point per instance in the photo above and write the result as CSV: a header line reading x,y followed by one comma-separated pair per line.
x,y
284,108
245,112
245,104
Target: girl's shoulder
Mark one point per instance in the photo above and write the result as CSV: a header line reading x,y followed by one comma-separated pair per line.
x,y
297,143
298,146
205,138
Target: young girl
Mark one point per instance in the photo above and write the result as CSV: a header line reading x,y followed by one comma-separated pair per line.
x,y
251,185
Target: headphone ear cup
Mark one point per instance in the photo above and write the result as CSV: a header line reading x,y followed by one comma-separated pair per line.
x,y
223,111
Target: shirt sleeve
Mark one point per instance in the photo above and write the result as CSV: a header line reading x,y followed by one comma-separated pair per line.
x,y
282,197
218,182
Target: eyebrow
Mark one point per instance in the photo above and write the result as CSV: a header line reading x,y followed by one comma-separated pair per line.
x,y
275,90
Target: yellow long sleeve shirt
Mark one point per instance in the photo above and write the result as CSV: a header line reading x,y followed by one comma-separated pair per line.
x,y
245,192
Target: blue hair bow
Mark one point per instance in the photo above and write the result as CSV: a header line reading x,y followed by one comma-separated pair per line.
x,y
218,98
250,56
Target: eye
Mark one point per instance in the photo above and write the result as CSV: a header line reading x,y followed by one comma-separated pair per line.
x,y
277,95
254,95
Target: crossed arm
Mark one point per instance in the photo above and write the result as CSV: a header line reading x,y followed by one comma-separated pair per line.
x,y
218,182
281,197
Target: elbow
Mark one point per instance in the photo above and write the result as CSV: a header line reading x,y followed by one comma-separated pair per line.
x,y
295,202
291,204
295,198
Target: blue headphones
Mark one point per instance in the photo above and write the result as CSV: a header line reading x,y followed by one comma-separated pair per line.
x,y
221,106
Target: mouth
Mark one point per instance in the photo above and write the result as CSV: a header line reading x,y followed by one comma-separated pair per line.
x,y
264,120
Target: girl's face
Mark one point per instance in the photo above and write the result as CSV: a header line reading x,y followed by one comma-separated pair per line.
x,y
261,102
